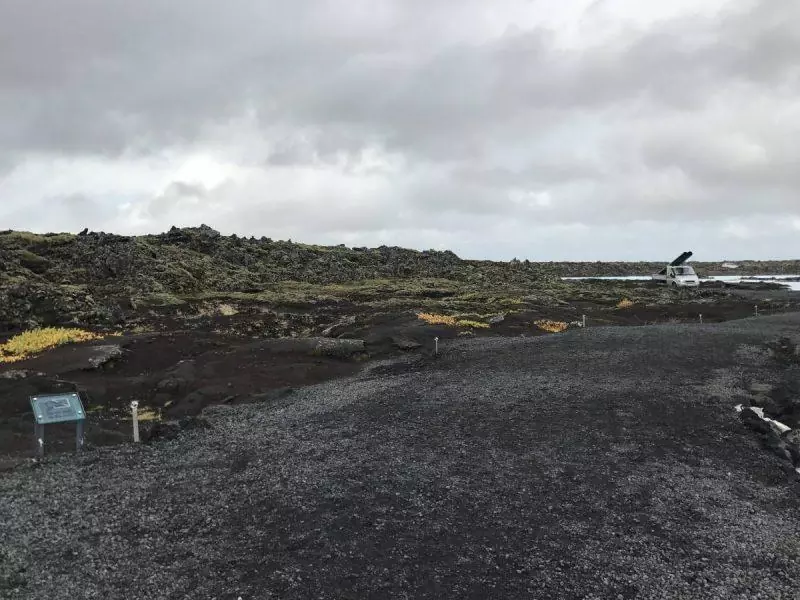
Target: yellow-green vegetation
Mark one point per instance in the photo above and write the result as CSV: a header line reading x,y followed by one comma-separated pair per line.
x,y
32,261
148,414
429,295
159,300
375,292
26,237
624,303
473,324
434,319
227,310
551,326
224,309
35,341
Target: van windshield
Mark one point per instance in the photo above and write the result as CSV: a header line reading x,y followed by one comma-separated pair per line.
x,y
684,271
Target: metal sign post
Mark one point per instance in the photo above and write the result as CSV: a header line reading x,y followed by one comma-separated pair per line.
x,y
57,408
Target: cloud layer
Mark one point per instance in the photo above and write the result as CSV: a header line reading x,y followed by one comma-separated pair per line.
x,y
601,129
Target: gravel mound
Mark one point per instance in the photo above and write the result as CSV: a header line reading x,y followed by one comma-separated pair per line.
x,y
598,463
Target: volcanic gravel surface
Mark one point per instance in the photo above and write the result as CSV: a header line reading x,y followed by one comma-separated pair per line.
x,y
598,463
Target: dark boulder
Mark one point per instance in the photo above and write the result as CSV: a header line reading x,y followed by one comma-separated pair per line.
x,y
178,379
404,343
339,328
775,444
753,420
792,441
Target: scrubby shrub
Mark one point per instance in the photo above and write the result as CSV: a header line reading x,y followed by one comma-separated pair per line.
x,y
551,326
227,310
36,341
434,319
624,303
149,414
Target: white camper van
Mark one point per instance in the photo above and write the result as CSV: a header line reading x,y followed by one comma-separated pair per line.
x,y
677,274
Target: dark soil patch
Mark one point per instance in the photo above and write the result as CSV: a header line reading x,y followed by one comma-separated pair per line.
x,y
690,312
214,359
174,375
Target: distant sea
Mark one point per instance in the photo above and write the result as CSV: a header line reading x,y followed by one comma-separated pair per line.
x,y
793,285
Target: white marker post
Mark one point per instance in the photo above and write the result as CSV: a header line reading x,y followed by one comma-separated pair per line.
x,y
756,307
135,411
39,432
436,345
583,320
701,318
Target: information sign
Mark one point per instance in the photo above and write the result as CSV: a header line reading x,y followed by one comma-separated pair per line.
x,y
57,408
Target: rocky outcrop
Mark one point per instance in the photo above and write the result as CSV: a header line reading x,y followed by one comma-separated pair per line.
x,y
776,436
31,304
90,278
775,413
340,327
104,354
202,259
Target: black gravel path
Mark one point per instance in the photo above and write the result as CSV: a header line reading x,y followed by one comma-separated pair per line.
x,y
605,463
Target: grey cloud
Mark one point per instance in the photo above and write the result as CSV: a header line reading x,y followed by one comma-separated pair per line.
x,y
545,171
79,203
176,193
109,76
317,146
301,217
181,188
461,91
627,130
70,212
707,161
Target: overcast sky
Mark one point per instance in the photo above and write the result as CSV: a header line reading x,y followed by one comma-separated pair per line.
x,y
539,129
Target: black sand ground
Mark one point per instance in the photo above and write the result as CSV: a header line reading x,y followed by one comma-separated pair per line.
x,y
599,463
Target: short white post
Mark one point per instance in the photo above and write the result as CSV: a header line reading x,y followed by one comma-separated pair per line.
x,y
701,318
756,307
584,321
436,343
135,411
